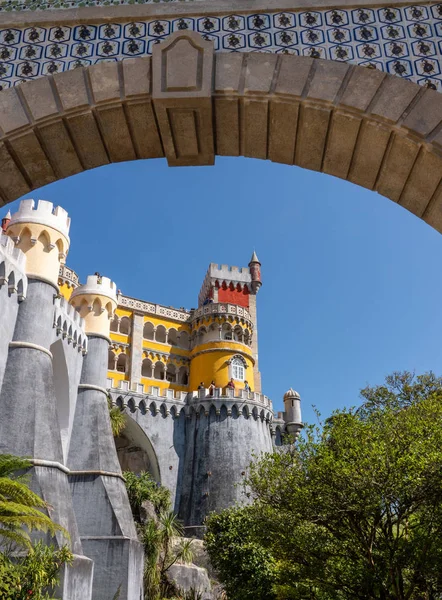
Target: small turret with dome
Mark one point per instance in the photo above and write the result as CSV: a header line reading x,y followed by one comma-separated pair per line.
x,y
292,413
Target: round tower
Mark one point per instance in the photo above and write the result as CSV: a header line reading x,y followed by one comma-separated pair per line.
x,y
28,404
106,529
255,272
292,412
42,233
221,347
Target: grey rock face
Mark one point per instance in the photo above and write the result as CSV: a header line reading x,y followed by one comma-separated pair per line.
x,y
188,577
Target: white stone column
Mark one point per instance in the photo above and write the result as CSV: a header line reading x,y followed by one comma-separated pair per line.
x,y
136,355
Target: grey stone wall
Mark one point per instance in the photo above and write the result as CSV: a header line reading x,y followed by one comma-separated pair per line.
x,y
201,448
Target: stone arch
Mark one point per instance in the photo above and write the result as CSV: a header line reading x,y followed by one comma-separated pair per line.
x,y
161,334
172,336
124,326
183,376
114,324
376,130
122,362
135,450
184,340
146,368
148,331
159,371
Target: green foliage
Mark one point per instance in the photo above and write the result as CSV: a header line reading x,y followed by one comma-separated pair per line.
x,y
33,575
117,418
157,538
354,510
143,487
246,568
19,506
157,535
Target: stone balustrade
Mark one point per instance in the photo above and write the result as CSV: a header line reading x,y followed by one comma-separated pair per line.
x,y
223,309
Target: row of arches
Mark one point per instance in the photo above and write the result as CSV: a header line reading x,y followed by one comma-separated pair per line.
x,y
171,336
235,411
121,325
154,333
66,331
15,284
169,372
217,332
27,241
232,287
150,369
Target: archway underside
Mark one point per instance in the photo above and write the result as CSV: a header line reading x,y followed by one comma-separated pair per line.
x,y
188,104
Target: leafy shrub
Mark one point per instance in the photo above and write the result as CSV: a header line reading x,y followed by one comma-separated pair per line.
x,y
33,575
143,487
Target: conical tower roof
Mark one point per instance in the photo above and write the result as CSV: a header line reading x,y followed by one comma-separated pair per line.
x,y
254,258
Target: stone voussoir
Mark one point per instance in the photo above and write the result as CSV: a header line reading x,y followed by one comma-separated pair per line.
x,y
372,128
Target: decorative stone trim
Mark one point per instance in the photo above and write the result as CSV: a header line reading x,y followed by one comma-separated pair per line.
x,y
153,309
222,309
96,388
376,130
31,346
225,349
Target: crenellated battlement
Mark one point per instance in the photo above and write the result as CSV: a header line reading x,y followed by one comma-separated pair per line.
x,y
69,324
192,404
96,285
8,249
12,268
224,274
44,213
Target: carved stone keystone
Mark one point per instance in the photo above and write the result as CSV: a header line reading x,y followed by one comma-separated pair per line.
x,y
182,89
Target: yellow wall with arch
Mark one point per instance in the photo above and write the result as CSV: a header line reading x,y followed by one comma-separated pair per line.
x,y
211,362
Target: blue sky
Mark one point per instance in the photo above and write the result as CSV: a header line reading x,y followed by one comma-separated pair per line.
x,y
352,283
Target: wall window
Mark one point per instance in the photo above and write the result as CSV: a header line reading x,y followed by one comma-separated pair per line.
x,y
238,370
121,363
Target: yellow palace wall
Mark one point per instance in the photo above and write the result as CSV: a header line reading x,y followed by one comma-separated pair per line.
x,y
210,362
207,361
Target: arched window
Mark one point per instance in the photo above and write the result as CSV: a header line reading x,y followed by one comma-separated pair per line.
x,y
171,373
172,337
146,368
96,307
160,335
201,335
183,376
159,371
237,368
184,340
148,331
227,332
121,363
114,324
237,334
125,326
246,337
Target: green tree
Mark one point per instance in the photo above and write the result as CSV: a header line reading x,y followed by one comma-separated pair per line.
x,y
354,510
19,506
247,569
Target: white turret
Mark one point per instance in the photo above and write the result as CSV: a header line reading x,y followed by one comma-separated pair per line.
x,y
96,302
292,413
42,233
